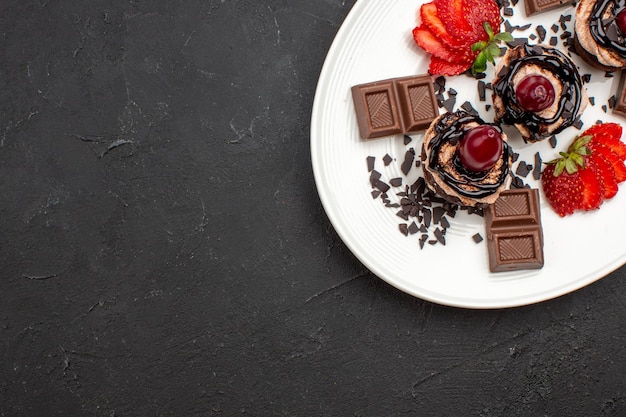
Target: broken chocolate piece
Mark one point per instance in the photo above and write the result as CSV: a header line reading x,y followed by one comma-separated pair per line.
x,y
394,106
619,106
514,232
539,6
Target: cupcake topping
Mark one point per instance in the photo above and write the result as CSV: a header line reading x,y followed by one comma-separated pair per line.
x,y
607,25
473,172
480,148
524,101
535,93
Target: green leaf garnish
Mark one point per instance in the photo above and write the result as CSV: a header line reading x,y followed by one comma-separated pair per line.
x,y
488,50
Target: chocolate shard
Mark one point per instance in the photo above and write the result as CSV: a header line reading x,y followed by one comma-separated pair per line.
x,y
514,231
376,109
395,106
619,107
417,101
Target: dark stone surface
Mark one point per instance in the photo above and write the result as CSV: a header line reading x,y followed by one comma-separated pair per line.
x,y
163,251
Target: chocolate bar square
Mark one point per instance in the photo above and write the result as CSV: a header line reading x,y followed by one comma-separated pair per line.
x,y
512,250
395,106
539,6
514,232
377,109
417,101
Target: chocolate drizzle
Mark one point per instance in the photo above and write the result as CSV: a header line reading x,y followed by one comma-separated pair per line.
x,y
569,103
604,29
450,130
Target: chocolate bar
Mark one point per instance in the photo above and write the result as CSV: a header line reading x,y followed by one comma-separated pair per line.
x,y
395,106
539,6
620,96
514,232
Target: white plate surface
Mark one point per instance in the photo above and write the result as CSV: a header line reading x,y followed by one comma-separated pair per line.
x,y
375,43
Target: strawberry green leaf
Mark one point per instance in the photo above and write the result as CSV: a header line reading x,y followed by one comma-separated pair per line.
x,y
479,46
504,37
480,64
559,167
570,166
489,30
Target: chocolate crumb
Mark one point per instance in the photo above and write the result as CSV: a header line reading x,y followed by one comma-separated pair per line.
x,y
407,139
409,157
537,167
444,223
375,194
423,240
578,124
477,238
555,28
374,177
541,31
396,182
552,141
553,41
481,90
404,229
387,159
413,228
523,169
438,213
612,101
439,235
382,186
427,217
370,163
449,103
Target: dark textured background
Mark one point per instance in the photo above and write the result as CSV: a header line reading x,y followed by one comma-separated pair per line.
x,y
163,251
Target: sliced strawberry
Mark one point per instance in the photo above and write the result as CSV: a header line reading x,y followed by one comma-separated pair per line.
x,y
426,40
616,162
607,173
440,67
453,15
593,186
564,192
609,134
480,11
430,19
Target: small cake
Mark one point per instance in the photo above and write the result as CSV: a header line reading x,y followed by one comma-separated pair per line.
x,y
465,160
600,33
538,90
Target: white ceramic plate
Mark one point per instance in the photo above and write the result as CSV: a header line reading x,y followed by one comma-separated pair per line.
x,y
375,43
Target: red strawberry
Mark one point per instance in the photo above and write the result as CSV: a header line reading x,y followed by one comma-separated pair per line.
x,y
454,16
590,167
609,134
430,19
426,40
607,173
441,67
593,186
563,192
480,11
616,162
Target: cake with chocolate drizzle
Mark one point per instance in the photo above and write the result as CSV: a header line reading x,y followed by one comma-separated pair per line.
x,y
466,160
600,33
538,90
